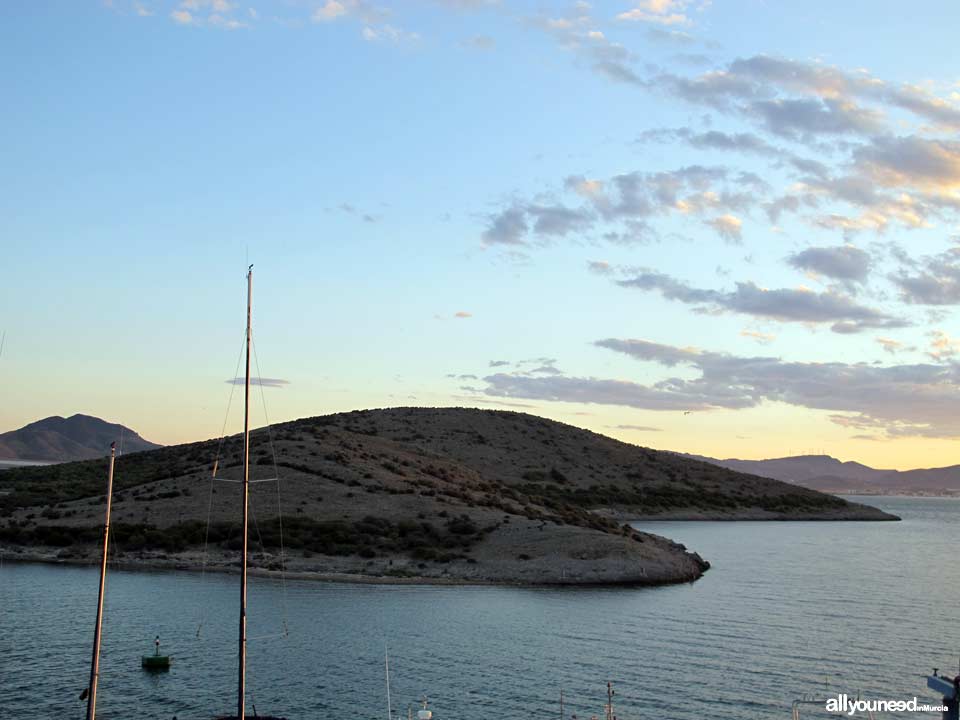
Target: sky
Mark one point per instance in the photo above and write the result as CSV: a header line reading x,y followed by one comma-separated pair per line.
x,y
727,228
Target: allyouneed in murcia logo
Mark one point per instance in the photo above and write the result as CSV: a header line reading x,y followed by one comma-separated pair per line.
x,y
843,704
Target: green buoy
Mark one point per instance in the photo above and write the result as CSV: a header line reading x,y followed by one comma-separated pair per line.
x,y
155,661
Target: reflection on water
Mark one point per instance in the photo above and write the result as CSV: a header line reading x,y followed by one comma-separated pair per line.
x,y
786,608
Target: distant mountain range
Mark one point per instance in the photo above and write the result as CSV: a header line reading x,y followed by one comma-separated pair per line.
x,y
827,474
80,437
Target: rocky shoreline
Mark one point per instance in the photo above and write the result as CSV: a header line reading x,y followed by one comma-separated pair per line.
x,y
854,512
525,559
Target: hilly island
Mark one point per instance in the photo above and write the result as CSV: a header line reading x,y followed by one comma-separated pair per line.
x,y
401,495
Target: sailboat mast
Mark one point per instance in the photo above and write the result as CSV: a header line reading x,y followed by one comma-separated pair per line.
x,y
242,679
95,660
386,662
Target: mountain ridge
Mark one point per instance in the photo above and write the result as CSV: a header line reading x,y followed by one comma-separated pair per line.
x,y
66,439
828,474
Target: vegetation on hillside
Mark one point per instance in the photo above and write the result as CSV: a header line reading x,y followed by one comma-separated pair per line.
x,y
440,479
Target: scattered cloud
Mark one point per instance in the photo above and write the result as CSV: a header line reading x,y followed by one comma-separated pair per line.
x,y
785,304
660,12
507,227
728,227
760,337
742,142
933,280
330,10
201,13
463,314
480,42
480,400
388,33
263,382
620,208
890,345
637,428
900,400
942,346
351,209
845,263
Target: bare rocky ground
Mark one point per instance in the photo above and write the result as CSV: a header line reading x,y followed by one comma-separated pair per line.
x,y
402,495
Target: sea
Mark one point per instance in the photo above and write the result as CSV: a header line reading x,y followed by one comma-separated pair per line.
x,y
789,611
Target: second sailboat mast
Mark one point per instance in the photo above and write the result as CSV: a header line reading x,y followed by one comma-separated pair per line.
x,y
242,680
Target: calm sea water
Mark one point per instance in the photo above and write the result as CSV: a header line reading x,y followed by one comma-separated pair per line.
x,y
789,609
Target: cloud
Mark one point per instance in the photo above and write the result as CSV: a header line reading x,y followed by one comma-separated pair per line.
x,y
463,314
498,363
889,345
511,225
660,12
599,267
263,382
845,262
487,401
594,390
676,37
202,13
388,33
760,337
942,346
807,118
577,34
728,227
330,10
376,27
622,207
933,280
902,400
784,305
911,161
638,428
556,220
480,42
351,209
742,142
803,100
507,227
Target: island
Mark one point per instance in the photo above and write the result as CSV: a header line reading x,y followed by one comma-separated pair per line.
x,y
410,494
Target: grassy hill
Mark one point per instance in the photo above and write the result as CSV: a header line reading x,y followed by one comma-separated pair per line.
x,y
406,492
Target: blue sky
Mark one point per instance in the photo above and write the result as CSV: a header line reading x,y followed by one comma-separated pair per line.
x,y
725,228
